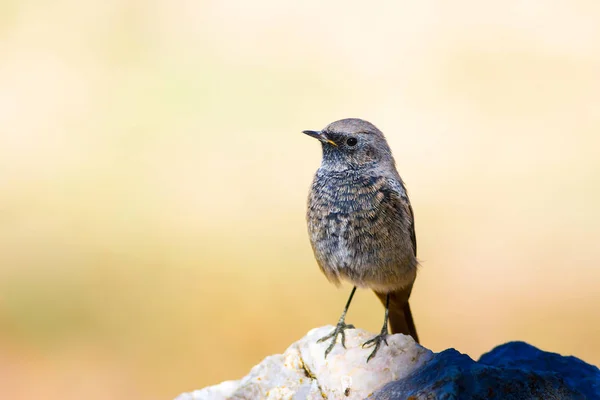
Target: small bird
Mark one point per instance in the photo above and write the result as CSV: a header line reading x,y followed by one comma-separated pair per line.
x,y
361,224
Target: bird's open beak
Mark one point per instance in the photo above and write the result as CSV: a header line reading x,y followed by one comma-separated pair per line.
x,y
320,136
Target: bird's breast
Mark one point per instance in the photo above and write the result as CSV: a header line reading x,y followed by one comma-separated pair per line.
x,y
355,231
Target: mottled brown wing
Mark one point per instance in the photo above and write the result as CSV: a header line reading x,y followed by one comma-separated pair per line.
x,y
413,236
400,314
403,203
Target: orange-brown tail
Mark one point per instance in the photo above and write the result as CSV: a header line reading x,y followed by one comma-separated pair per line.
x,y
401,319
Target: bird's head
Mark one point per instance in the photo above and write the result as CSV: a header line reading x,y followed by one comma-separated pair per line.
x,y
352,144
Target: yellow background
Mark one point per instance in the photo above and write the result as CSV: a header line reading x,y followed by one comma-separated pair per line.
x,y
153,180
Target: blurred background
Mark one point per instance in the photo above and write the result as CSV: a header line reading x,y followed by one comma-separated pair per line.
x,y
153,180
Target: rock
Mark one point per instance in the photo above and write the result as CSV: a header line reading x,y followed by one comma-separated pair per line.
x,y
223,390
576,373
455,376
301,372
406,370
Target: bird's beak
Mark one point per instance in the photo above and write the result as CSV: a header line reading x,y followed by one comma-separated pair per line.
x,y
320,136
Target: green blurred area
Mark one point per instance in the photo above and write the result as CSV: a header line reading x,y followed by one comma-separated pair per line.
x,y
153,180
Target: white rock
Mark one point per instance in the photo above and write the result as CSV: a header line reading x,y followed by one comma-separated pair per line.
x,y
222,391
302,372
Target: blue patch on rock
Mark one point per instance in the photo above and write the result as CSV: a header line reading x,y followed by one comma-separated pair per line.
x,y
512,371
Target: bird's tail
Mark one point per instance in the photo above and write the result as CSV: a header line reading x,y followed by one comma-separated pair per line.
x,y
401,319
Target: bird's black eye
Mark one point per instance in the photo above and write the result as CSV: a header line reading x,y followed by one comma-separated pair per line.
x,y
351,141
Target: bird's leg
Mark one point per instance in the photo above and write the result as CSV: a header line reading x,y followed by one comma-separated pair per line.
x,y
382,337
340,327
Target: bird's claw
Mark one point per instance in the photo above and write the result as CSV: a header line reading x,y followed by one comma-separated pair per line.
x,y
376,341
339,330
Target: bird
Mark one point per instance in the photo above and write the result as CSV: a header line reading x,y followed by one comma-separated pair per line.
x,y
361,224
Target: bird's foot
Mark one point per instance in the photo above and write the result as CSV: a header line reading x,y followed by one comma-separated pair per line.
x,y
376,341
339,330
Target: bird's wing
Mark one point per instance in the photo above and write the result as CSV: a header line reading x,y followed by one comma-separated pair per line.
x,y
398,193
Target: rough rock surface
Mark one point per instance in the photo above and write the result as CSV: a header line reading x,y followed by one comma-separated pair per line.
x,y
451,375
406,370
301,372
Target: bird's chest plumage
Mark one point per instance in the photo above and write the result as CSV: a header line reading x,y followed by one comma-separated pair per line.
x,y
356,230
